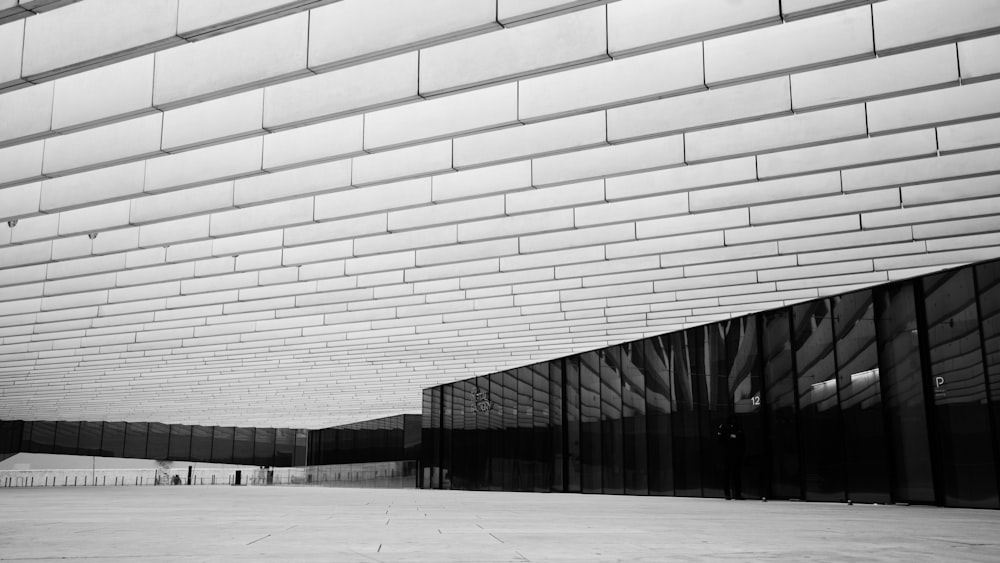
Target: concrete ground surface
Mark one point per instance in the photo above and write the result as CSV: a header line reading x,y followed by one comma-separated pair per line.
x,y
323,524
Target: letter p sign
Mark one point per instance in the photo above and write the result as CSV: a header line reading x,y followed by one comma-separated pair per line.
x,y
938,381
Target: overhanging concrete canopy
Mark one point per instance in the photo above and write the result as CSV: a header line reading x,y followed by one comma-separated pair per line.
x,y
301,213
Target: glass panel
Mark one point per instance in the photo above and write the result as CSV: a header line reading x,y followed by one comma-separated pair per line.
x,y
659,411
201,443
572,393
687,387
820,432
590,423
180,442
494,443
67,437
284,447
541,456
301,447
26,436
903,393
435,444
446,436
426,437
243,446
482,405
510,429
556,428
988,286
10,436
860,398
634,420
263,448
90,438
222,444
613,474
157,437
135,439
524,470
43,436
328,446
961,412
779,402
459,471
113,439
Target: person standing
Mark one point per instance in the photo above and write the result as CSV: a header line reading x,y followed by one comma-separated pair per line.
x,y
730,437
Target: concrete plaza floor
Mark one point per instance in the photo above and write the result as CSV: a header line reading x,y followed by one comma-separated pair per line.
x,y
323,524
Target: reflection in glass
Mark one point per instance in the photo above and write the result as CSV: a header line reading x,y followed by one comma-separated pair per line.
x,y
634,420
243,446
688,392
90,438
113,439
67,437
659,409
820,431
590,423
263,448
571,367
779,385
556,428
613,477
860,397
156,441
223,441
903,393
43,436
201,443
988,287
180,442
961,413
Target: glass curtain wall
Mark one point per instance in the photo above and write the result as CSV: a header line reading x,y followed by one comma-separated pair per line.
x,y
887,394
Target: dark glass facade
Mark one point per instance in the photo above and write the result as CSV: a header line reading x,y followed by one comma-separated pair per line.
x,y
888,394
272,447
392,438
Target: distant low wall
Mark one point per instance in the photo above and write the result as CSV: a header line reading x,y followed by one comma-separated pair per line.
x,y
383,475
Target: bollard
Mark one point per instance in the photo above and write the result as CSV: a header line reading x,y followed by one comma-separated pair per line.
x,y
66,481
104,482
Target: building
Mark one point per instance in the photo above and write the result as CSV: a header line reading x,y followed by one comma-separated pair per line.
x,y
288,215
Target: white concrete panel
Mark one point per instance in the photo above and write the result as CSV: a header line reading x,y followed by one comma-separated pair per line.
x,y
551,198
798,229
339,229
632,209
127,140
823,40
513,12
268,52
171,232
884,76
467,252
637,25
94,186
227,118
356,30
503,178
71,247
979,58
936,107
740,195
392,242
11,42
399,164
198,18
20,200
607,161
313,143
445,213
575,38
886,148
262,217
840,204
98,30
204,165
578,237
26,113
371,199
539,138
772,134
116,90
922,170
20,163
618,82
294,182
466,112
907,25
966,136
735,104
93,219
682,178
693,223
353,89
182,203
